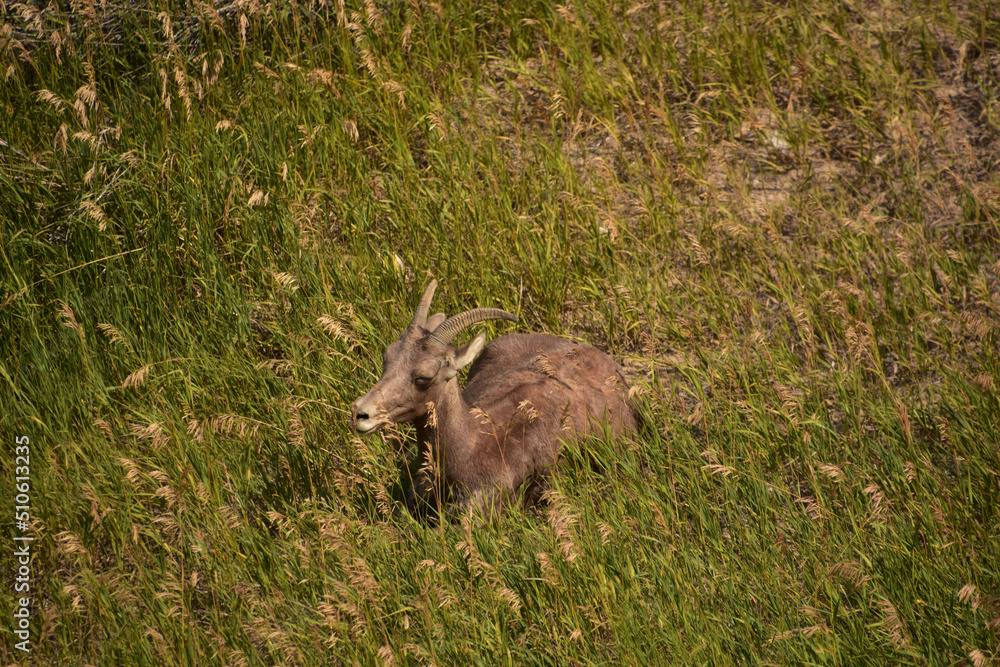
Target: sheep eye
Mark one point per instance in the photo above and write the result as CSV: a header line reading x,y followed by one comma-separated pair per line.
x,y
422,381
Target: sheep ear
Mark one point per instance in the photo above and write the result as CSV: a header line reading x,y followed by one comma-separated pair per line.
x,y
434,320
465,354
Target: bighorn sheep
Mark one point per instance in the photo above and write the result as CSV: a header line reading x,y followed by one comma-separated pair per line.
x,y
523,395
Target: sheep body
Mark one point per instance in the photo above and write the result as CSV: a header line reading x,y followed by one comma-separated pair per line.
x,y
525,395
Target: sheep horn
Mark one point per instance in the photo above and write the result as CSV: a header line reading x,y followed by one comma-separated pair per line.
x,y
451,326
420,316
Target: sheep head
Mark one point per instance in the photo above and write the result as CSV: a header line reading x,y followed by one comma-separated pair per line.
x,y
418,366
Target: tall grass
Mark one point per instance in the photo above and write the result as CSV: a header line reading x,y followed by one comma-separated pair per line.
x,y
782,218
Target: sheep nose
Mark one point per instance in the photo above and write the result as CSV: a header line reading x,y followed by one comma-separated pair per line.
x,y
356,414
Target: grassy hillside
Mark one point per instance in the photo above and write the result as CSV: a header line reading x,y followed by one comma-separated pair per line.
x,y
783,218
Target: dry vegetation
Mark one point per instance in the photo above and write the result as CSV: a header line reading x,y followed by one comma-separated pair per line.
x,y
782,218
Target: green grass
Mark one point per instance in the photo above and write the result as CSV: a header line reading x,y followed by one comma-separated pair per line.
x,y
782,218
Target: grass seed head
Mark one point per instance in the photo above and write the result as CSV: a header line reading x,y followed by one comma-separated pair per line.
x,y
136,378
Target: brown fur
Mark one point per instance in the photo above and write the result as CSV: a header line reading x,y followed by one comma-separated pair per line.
x,y
524,395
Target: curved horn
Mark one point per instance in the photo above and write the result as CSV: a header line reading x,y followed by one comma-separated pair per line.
x,y
420,316
451,326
